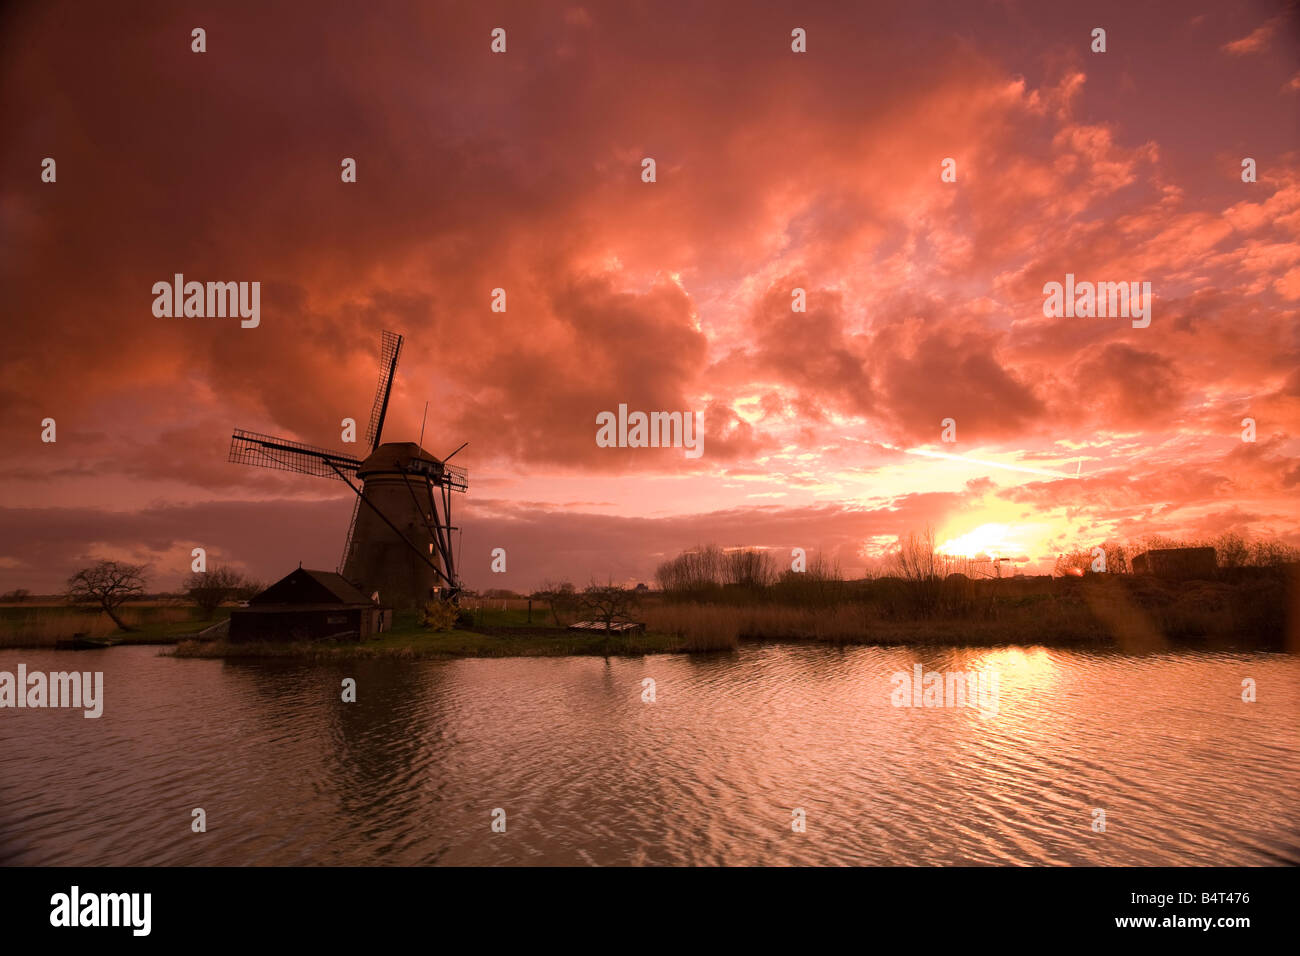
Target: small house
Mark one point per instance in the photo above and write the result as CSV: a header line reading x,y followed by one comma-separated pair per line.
x,y
308,605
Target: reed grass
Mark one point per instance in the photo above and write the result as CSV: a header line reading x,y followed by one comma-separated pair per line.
x,y
45,626
1106,612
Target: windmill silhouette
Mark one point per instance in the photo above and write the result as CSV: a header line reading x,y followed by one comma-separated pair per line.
x,y
399,539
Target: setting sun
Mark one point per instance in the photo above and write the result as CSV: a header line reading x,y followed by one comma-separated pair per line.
x,y
992,540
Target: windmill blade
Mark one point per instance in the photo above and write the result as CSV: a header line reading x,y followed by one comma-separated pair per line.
x,y
352,530
439,472
389,352
455,477
267,451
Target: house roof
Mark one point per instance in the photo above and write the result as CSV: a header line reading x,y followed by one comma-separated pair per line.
x,y
339,586
307,587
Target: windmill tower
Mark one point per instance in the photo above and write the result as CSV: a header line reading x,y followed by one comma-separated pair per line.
x,y
399,540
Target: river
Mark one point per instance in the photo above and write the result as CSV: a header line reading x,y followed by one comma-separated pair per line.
x,y
712,771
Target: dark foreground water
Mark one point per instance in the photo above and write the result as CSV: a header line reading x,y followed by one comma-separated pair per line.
x,y
588,773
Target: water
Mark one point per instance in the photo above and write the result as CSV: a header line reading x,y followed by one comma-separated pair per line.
x,y
708,774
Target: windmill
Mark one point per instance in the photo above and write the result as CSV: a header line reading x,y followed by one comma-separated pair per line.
x,y
399,540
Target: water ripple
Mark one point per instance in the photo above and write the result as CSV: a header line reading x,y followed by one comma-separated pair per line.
x,y
710,773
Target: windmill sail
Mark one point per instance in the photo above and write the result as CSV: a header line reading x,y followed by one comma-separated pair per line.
x,y
352,530
389,352
455,477
267,451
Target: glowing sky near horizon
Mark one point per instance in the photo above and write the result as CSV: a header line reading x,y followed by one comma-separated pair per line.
x,y
775,170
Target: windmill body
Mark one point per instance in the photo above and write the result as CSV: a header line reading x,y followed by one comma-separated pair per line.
x,y
396,479
399,543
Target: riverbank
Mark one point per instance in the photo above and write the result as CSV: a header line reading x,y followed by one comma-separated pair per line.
x,y
435,645
1126,614
36,626
524,642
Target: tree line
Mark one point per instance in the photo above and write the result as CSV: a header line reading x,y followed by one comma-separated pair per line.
x,y
1231,550
108,585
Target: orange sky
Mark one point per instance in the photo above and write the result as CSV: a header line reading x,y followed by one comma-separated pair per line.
x,y
775,170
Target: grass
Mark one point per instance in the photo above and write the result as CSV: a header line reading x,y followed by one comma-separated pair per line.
x,y
507,635
35,626
492,631
1244,609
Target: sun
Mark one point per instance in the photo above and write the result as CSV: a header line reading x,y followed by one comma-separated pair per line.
x,y
994,540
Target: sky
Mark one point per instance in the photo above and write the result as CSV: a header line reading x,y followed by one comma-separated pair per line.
x,y
774,170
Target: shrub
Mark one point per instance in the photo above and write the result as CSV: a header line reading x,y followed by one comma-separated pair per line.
x,y
439,616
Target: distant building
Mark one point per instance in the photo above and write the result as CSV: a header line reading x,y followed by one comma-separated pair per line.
x,y
309,605
1180,563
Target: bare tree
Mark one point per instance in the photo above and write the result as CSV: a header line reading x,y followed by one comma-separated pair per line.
x,y
916,559
693,572
1074,563
1271,553
819,584
1231,550
250,587
562,599
924,572
1078,562
108,584
749,569
210,589
608,602
1116,557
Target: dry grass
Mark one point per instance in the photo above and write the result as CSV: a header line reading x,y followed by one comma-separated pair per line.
x,y
723,626
1104,612
425,645
698,627
44,626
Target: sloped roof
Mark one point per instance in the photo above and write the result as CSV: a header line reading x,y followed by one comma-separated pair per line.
x,y
304,586
339,586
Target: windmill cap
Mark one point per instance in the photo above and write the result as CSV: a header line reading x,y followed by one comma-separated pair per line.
x,y
397,456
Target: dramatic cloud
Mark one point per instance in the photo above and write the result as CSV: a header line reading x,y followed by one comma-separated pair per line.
x,y
1254,41
521,171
